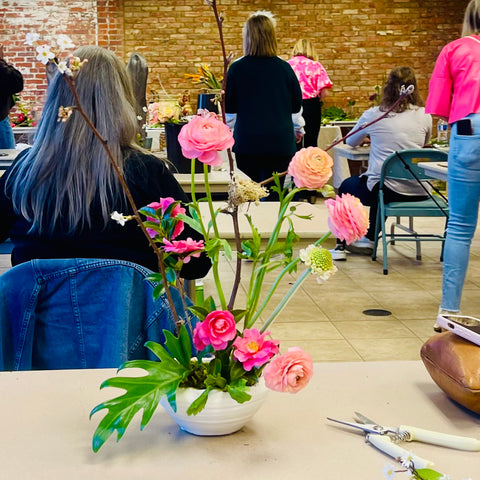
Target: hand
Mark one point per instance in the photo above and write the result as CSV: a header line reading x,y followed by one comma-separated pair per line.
x,y
298,137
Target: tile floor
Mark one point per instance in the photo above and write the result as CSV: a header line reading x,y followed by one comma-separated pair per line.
x,y
328,321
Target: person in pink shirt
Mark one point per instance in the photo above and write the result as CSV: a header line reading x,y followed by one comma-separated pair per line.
x,y
315,84
454,95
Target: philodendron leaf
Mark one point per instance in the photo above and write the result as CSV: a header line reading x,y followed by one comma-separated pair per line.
x,y
239,391
199,404
180,347
142,392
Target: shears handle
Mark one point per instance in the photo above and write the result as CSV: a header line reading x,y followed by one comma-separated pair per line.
x,y
443,439
385,444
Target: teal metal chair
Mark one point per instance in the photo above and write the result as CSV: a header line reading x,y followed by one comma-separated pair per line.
x,y
402,165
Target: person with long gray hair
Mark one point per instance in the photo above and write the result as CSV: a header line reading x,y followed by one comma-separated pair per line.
x,y
57,198
454,95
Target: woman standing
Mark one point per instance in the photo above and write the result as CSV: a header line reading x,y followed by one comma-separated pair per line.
x,y
262,93
57,198
454,95
407,126
315,85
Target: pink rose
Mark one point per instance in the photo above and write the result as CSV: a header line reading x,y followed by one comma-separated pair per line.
x,y
216,330
189,246
163,205
311,167
202,138
348,218
289,372
253,350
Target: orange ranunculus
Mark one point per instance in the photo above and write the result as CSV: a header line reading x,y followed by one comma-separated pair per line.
x,y
203,137
347,217
311,167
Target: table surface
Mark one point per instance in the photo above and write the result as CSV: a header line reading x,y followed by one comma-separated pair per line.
x,y
7,156
437,170
46,432
264,217
352,153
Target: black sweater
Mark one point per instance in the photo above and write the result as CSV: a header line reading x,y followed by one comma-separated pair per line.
x,y
148,179
263,92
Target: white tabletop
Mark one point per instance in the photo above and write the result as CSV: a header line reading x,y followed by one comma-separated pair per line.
x,y
7,156
46,432
343,152
435,169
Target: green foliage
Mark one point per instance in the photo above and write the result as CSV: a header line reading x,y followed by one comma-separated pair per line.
x,y
144,393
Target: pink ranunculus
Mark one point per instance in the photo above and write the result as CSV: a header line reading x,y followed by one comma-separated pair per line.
x,y
311,167
163,205
216,330
289,372
253,350
203,137
348,218
192,247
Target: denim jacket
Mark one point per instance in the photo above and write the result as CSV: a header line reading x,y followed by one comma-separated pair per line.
x,y
80,313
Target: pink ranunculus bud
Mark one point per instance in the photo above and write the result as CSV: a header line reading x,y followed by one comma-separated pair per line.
x,y
289,372
203,137
189,248
164,204
216,330
311,167
348,218
253,350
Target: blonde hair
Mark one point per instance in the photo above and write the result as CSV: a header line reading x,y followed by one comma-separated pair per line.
x,y
305,48
259,38
471,20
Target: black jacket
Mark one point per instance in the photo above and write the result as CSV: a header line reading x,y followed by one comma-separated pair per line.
x,y
11,81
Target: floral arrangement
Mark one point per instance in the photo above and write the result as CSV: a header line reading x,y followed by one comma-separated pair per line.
x,y
22,114
170,112
206,78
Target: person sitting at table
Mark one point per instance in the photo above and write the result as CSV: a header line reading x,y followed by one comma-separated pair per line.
x,y
407,126
57,197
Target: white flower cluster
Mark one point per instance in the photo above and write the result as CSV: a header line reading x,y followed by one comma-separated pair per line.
x,y
48,49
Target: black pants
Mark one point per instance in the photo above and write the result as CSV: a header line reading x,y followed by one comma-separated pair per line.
x,y
312,114
357,186
261,167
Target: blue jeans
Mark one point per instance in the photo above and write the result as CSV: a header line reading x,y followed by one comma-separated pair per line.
x,y
463,199
7,140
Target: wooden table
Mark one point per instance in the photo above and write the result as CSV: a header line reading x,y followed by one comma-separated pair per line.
x,y
46,431
437,170
341,154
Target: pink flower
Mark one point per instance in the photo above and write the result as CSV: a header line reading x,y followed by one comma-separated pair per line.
x,y
163,205
348,218
202,138
253,350
191,247
216,330
289,372
311,167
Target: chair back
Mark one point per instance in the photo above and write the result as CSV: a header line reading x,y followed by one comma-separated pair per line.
x,y
403,165
80,313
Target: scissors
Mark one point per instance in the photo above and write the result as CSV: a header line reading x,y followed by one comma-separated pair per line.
x,y
386,439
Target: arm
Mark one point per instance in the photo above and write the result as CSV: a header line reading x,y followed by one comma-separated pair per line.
x,y
358,138
440,88
11,78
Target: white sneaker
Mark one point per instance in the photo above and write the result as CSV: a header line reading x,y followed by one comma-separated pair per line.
x,y
339,253
364,246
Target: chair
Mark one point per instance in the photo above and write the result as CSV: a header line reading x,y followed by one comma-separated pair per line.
x,y
80,313
402,165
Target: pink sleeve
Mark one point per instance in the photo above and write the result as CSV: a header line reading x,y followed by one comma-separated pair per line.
x,y
440,88
322,78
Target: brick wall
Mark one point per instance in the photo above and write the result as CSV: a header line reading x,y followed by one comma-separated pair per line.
x,y
359,41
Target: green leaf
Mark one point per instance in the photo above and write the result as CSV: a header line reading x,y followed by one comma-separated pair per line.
x,y
141,393
158,291
199,404
238,314
227,248
428,474
195,224
199,311
180,347
238,391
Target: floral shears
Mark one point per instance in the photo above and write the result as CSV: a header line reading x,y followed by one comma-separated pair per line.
x,y
386,439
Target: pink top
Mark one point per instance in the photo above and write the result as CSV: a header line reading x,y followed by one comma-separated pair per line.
x,y
311,75
454,89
